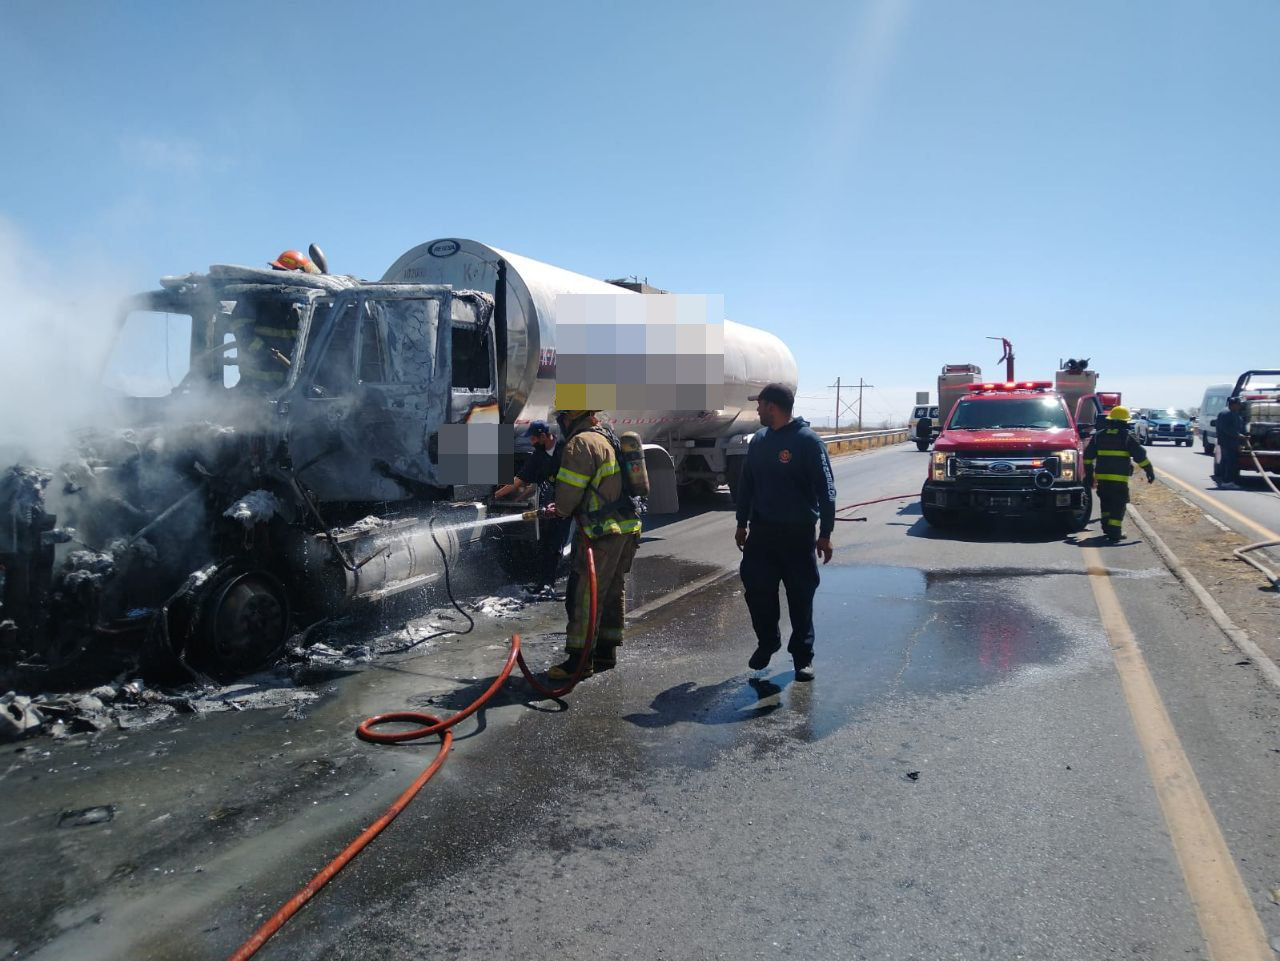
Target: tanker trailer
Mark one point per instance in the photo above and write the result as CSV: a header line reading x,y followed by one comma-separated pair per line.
x,y
703,448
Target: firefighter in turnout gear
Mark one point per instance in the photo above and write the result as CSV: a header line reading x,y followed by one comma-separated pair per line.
x,y
589,488
1108,461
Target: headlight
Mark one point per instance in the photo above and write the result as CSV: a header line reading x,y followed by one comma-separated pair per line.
x,y
1067,456
938,468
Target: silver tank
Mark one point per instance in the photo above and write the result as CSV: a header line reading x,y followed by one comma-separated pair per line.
x,y
752,357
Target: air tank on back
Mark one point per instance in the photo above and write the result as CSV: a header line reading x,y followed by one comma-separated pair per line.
x,y
752,357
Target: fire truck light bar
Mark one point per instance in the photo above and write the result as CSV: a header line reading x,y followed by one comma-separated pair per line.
x,y
1013,385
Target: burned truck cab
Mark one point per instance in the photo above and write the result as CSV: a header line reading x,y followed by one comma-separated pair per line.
x,y
277,440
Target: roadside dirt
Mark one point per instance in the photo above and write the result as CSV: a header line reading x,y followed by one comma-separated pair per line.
x,y
1205,549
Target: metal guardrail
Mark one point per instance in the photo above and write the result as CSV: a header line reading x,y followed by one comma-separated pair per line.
x,y
829,439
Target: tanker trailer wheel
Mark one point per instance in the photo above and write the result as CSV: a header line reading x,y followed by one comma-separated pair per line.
x,y
244,622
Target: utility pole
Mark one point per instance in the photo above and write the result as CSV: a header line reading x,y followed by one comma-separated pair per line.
x,y
860,386
841,408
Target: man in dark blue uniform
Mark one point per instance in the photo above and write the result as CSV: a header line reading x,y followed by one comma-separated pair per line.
x,y
786,490
1229,425
540,471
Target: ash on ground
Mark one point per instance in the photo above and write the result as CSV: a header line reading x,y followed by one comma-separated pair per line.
x,y
314,658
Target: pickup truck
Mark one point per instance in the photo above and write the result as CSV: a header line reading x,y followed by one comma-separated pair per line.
x,y
1009,449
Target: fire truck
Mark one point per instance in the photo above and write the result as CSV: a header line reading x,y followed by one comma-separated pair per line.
x,y
1008,449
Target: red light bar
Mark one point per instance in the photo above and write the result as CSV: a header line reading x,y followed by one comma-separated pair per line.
x,y
1012,385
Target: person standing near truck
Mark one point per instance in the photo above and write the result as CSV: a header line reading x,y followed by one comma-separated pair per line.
x,y
1229,425
1108,463
786,489
589,489
540,471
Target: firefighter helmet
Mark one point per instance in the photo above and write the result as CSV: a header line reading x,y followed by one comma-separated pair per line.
x,y
292,260
1118,413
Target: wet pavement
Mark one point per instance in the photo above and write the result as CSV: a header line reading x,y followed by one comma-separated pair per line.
x,y
960,781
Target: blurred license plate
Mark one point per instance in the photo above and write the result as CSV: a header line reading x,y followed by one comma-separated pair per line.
x,y
1002,502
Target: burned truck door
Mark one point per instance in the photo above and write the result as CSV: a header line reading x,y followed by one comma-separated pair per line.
x,y
374,387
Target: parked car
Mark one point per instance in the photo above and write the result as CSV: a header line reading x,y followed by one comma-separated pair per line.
x,y
1215,401
1163,424
924,425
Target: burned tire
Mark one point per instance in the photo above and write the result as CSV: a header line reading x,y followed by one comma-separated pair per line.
x,y
243,624
519,559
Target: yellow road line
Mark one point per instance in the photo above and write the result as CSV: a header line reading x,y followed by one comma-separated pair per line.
x,y
1228,921
1218,505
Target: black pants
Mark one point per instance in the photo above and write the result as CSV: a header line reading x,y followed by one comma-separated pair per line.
x,y
1113,498
555,532
1226,470
776,555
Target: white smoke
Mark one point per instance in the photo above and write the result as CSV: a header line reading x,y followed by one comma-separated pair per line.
x,y
56,325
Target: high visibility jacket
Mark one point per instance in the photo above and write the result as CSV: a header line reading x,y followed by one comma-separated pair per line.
x,y
1111,454
589,481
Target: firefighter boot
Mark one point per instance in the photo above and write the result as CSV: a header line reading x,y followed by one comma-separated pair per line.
x,y
604,656
566,669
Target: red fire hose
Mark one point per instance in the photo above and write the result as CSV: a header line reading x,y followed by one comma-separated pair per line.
x,y
428,725
878,500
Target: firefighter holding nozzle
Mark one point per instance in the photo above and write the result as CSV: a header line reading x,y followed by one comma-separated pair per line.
x,y
598,490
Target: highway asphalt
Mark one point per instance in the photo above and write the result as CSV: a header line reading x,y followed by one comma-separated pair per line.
x,y
1018,745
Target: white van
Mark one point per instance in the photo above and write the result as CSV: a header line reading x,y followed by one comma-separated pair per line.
x,y
1215,401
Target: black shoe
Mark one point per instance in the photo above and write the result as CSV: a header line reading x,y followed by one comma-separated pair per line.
x,y
1114,538
760,659
804,673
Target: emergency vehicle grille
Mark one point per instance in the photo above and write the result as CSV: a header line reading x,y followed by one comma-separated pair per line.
x,y
995,471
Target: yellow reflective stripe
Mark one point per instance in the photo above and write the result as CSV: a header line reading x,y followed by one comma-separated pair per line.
x,y
1144,463
1113,453
605,470
1123,478
612,526
275,332
1112,522
573,478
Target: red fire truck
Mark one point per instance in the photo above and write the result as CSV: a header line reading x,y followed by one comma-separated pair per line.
x,y
1008,449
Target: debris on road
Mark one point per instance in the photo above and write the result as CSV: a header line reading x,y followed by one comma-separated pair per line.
x,y
100,814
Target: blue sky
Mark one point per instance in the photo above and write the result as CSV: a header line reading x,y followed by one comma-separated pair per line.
x,y
882,183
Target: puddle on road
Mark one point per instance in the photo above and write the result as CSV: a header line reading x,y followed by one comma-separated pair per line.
x,y
653,576
886,630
